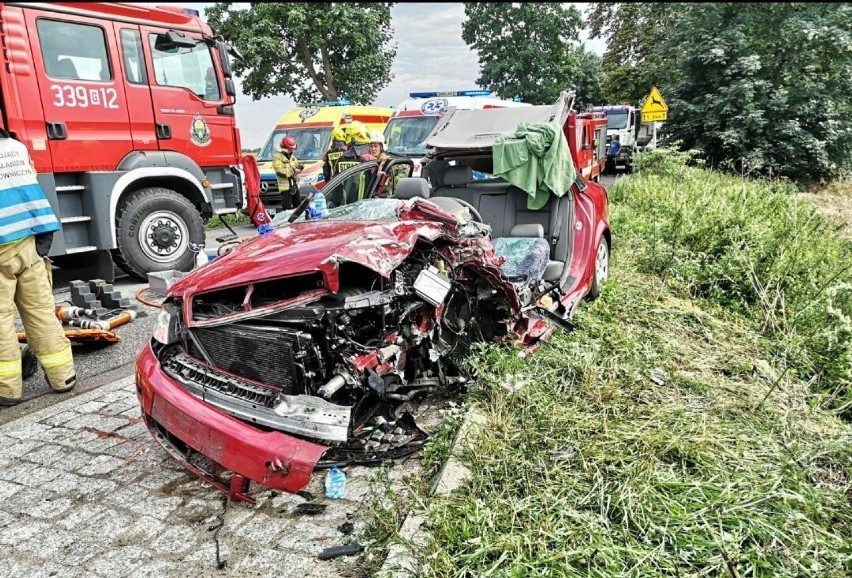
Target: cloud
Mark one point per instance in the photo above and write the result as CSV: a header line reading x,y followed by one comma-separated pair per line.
x,y
431,55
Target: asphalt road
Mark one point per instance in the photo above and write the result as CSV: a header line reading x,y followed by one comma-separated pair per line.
x,y
99,364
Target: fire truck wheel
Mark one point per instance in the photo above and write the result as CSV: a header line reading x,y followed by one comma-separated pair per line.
x,y
601,268
154,230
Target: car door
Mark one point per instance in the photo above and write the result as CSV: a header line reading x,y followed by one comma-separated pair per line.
x,y
364,181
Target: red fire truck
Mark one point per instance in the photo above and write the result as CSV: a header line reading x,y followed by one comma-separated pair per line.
x,y
586,134
128,114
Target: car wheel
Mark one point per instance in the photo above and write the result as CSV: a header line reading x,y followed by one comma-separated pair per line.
x,y
155,229
601,268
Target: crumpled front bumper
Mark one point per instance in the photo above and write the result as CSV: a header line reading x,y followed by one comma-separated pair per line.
x,y
185,426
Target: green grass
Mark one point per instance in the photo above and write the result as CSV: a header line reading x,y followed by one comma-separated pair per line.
x,y
215,222
683,428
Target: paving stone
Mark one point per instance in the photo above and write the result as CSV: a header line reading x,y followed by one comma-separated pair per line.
x,y
99,465
157,480
49,542
60,419
80,551
142,531
120,561
97,423
21,530
82,516
29,475
9,449
46,454
47,508
94,406
175,540
8,489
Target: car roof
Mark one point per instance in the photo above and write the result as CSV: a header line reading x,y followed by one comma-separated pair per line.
x,y
478,129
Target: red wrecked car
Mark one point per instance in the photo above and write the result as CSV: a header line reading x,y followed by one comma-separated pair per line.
x,y
305,347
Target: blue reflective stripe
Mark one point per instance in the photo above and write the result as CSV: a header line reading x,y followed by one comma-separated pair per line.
x,y
24,211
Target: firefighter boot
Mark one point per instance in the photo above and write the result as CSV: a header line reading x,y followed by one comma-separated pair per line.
x,y
34,298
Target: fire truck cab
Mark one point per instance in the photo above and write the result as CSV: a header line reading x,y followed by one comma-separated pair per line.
x,y
128,115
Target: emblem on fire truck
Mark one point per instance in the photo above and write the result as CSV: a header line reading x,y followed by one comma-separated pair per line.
x,y
199,132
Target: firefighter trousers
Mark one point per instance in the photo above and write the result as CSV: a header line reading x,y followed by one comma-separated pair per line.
x,y
26,285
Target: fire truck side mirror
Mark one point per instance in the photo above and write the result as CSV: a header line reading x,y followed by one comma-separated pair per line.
x,y
230,89
226,61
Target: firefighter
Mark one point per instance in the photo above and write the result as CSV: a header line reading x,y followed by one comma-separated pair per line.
x,y
333,154
357,152
25,277
377,149
287,167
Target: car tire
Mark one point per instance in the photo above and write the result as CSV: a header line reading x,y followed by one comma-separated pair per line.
x,y
155,228
601,268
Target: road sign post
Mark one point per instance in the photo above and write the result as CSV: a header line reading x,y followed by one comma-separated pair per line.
x,y
655,108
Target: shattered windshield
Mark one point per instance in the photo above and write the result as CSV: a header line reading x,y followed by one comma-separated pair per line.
x,y
365,210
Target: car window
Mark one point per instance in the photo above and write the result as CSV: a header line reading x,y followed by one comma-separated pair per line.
x,y
134,62
352,186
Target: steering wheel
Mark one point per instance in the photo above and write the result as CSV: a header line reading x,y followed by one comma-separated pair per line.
x,y
473,212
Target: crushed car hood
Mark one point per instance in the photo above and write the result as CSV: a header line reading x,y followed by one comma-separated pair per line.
x,y
312,246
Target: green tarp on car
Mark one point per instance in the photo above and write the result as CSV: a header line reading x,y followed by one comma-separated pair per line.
x,y
535,158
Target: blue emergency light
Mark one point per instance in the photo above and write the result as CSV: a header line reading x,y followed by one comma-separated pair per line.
x,y
338,102
436,94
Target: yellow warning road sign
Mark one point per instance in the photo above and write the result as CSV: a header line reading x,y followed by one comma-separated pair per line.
x,y
655,108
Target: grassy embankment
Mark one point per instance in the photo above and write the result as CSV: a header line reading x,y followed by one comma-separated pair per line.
x,y
696,421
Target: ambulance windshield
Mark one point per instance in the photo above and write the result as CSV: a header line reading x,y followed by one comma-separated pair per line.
x,y
311,143
405,135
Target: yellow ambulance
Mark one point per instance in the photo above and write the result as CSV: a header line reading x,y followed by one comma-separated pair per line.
x,y
311,126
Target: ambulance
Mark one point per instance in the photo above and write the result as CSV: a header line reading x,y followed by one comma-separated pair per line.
x,y
311,125
415,118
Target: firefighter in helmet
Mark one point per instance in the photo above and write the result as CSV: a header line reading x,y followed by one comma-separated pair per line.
x,y
357,152
287,167
333,154
377,149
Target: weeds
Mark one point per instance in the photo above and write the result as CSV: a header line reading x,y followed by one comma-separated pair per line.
x,y
215,222
679,430
639,446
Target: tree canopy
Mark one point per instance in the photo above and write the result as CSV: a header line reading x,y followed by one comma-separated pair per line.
x,y
530,50
310,51
763,87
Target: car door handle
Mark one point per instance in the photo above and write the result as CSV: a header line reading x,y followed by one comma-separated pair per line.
x,y
56,131
164,131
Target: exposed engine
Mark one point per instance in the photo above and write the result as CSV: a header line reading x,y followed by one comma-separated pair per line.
x,y
342,368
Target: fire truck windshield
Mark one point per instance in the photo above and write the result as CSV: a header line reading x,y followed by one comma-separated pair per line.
x,y
616,120
405,134
184,67
311,143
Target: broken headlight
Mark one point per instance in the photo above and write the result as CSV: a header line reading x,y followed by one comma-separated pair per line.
x,y
167,329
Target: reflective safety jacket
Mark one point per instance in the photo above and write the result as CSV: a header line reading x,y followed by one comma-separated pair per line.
x,y
285,169
24,208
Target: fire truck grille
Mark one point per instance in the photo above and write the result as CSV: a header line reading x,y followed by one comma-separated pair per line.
x,y
265,355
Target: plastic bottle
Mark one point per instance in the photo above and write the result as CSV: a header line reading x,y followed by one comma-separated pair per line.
x,y
335,483
317,208
200,256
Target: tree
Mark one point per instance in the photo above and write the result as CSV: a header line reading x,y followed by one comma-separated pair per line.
x,y
635,58
763,88
766,87
310,51
525,49
588,80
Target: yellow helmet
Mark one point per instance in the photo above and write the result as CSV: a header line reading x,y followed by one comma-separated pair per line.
x,y
357,134
338,134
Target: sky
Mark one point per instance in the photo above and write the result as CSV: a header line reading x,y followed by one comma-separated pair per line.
x,y
431,55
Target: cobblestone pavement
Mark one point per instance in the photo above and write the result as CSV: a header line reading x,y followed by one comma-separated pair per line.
x,y
86,491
